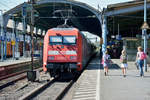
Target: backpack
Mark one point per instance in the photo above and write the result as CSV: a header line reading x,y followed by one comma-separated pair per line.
x,y
107,59
142,56
123,58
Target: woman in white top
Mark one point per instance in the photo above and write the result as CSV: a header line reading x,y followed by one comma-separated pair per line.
x,y
105,62
124,64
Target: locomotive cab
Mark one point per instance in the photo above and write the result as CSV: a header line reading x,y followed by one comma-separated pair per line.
x,y
62,50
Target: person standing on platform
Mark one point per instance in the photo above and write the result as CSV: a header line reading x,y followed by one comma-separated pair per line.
x,y
123,59
140,59
106,61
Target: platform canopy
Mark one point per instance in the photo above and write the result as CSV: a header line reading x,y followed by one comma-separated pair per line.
x,y
127,18
51,13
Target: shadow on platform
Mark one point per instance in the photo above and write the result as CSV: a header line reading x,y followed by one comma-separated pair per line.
x,y
129,75
95,66
111,66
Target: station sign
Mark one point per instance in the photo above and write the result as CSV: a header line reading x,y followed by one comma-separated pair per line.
x,y
111,43
8,39
40,43
118,37
13,42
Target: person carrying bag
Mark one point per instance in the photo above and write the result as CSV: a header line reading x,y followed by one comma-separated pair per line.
x,y
140,59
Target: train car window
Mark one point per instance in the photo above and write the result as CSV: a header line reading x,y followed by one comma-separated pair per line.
x,y
55,39
69,40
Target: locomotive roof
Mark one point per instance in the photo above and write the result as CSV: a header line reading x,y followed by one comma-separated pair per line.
x,y
64,29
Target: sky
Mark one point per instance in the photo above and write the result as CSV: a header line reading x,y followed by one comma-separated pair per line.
x,y
8,4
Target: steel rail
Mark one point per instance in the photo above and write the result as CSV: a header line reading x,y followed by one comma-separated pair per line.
x,y
7,71
15,78
40,89
37,90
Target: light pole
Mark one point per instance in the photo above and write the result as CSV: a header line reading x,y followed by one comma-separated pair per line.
x,y
31,30
13,29
2,37
24,14
144,33
32,75
104,34
13,34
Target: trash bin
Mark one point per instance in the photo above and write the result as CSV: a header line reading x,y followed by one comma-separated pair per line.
x,y
33,75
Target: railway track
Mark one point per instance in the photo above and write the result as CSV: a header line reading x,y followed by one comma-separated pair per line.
x,y
14,69
10,81
13,90
12,73
51,90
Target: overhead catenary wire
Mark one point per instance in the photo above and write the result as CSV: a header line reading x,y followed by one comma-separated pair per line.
x,y
70,18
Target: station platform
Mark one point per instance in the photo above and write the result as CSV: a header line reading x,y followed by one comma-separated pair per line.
x,y
88,85
132,87
93,85
11,61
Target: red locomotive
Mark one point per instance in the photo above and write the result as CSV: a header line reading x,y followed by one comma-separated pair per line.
x,y
65,50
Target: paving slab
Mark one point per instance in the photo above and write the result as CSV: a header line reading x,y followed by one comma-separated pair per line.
x,y
132,87
88,85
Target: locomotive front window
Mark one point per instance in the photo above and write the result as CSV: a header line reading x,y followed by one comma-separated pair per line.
x,y
55,39
69,40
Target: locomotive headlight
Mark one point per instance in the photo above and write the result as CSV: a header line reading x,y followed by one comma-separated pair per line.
x,y
71,52
73,57
51,58
53,52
